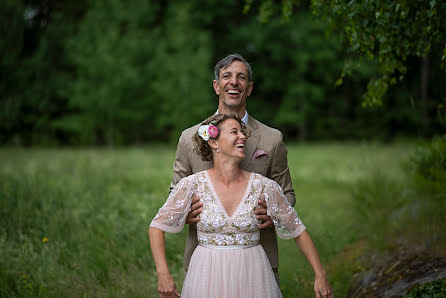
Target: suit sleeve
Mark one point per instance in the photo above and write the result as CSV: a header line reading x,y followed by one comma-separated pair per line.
x,y
182,167
280,171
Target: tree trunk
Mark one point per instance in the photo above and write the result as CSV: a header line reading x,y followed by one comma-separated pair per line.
x,y
424,97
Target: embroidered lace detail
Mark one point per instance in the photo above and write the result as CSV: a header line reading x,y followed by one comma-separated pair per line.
x,y
215,226
229,238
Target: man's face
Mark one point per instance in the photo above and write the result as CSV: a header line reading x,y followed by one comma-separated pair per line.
x,y
233,87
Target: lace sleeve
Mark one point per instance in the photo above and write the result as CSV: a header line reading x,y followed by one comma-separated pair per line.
x,y
172,215
287,223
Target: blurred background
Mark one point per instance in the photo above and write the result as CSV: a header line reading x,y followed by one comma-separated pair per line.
x,y
94,96
137,72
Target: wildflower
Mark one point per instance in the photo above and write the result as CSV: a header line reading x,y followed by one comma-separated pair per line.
x,y
45,240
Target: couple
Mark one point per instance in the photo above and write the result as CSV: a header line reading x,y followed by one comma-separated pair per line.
x,y
228,261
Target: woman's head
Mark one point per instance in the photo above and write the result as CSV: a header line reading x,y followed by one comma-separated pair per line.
x,y
220,133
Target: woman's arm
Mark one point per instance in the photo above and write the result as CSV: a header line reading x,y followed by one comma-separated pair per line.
x,y
306,245
166,284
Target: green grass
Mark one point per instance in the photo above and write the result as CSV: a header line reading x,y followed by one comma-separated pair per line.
x,y
94,206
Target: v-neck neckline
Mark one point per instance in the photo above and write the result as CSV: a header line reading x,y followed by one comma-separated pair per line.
x,y
248,186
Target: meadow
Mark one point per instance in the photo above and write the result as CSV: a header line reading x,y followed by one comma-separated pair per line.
x,y
74,221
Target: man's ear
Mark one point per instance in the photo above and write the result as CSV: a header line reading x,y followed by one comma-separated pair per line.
x,y
251,84
216,89
213,143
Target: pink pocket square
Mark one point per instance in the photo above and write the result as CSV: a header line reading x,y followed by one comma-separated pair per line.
x,y
259,153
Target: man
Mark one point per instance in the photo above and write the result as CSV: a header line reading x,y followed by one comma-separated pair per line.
x,y
265,152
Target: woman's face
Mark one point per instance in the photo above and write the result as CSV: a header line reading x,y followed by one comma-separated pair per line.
x,y
231,141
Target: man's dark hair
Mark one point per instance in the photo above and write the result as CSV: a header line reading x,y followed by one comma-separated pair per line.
x,y
226,61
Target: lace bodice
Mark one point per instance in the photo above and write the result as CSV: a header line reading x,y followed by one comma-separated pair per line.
x,y
216,227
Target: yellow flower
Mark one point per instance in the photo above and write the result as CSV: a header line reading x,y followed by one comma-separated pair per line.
x,y
45,240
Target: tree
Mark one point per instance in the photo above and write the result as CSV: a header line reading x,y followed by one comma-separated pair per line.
x,y
138,75
385,32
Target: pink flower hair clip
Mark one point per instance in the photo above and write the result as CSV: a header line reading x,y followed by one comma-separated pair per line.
x,y
207,131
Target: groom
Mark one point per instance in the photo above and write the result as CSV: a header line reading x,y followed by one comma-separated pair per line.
x,y
265,152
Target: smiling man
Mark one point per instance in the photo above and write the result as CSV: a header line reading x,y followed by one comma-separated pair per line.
x,y
264,149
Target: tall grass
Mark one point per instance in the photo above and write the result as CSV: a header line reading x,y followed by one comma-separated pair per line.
x,y
411,209
74,222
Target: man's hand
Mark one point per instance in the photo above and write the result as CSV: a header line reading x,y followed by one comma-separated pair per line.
x,y
195,210
261,215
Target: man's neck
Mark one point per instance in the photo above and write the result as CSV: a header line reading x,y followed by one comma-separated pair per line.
x,y
227,110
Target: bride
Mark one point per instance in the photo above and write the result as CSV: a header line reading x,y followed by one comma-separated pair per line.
x,y
228,262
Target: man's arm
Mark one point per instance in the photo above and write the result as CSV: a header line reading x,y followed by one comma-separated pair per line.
x,y
181,166
280,171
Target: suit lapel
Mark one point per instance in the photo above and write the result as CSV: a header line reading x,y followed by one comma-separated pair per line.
x,y
251,142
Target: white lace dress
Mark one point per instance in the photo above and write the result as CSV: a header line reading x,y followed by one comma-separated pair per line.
x,y
228,262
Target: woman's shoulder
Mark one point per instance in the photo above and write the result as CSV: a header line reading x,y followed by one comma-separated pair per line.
x,y
196,177
267,182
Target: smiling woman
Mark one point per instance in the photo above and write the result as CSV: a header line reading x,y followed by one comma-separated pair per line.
x,y
203,149
229,255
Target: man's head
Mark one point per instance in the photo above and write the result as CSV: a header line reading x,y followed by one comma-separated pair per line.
x,y
233,84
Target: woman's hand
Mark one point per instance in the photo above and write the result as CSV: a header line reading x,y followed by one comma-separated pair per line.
x,y
167,287
322,288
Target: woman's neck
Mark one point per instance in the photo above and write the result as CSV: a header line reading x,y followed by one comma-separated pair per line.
x,y
227,172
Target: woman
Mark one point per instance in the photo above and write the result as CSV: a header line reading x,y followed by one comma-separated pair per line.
x,y
228,262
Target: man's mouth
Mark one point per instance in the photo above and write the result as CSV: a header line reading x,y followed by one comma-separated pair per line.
x,y
233,92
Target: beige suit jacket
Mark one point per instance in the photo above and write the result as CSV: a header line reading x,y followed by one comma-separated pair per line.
x,y
273,166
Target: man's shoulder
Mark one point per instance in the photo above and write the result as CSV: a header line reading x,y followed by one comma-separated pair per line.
x,y
264,129
186,135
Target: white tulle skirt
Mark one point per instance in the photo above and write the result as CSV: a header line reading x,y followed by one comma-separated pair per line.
x,y
230,273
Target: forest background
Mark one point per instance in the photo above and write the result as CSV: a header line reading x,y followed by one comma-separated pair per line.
x,y
136,72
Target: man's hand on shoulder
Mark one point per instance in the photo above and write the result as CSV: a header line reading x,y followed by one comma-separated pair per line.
x,y
261,215
195,209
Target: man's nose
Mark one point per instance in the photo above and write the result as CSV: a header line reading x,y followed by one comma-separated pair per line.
x,y
233,80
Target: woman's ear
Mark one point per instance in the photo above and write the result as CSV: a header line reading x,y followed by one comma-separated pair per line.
x,y
213,143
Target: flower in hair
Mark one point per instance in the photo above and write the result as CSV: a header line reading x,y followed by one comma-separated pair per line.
x,y
206,131
213,131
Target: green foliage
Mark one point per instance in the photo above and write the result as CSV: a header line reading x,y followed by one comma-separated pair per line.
x,y
429,162
125,72
135,70
386,32
409,209
436,289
